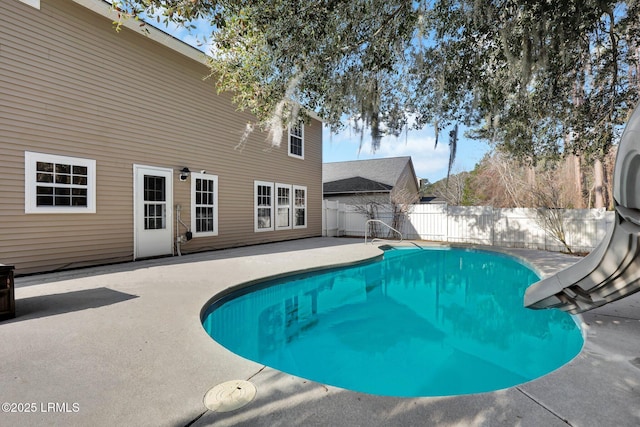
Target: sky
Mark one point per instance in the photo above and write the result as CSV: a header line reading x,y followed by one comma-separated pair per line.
x,y
429,162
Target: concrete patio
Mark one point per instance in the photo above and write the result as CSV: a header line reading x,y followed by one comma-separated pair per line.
x,y
123,345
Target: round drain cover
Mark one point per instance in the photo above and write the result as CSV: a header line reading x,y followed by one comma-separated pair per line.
x,y
229,396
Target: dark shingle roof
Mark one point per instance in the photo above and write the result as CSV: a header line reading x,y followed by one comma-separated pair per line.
x,y
356,184
385,171
432,199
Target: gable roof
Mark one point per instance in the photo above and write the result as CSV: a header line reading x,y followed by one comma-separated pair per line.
x,y
148,29
383,171
355,185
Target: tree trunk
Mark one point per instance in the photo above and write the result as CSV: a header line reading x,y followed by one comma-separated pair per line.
x,y
609,166
531,176
598,183
577,171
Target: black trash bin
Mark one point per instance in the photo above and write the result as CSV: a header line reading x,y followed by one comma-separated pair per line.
x,y
7,295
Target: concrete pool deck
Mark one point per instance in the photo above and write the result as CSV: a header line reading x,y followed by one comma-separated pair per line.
x,y
123,345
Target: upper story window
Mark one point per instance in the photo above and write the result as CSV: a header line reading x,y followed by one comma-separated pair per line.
x,y
296,140
59,184
204,204
263,205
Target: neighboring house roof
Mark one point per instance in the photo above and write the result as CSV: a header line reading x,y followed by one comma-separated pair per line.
x,y
375,177
384,171
355,185
432,199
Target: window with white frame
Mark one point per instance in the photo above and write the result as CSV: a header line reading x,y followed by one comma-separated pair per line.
x,y
204,204
283,207
300,206
59,184
296,140
264,202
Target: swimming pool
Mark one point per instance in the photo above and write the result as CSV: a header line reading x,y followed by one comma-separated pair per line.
x,y
419,322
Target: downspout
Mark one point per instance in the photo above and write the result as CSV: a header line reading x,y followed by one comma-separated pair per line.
x,y
178,237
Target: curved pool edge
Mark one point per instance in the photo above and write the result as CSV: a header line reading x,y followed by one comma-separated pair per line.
x,y
525,257
534,259
546,399
155,342
235,288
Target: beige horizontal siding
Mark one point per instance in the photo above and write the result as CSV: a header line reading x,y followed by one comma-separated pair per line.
x,y
70,85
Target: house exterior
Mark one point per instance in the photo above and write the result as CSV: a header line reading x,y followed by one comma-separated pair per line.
x,y
369,181
115,148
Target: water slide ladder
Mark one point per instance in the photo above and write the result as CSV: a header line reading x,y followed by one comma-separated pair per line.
x,y
612,270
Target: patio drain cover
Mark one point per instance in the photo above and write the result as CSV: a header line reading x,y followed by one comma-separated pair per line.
x,y
229,396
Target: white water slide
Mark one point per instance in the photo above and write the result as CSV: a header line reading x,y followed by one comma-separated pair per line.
x,y
612,270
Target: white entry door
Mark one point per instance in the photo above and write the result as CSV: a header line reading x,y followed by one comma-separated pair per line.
x,y
153,205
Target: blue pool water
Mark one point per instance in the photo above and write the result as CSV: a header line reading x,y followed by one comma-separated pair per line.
x,y
420,322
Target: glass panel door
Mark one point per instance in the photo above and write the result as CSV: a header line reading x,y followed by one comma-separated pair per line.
x,y
155,202
153,192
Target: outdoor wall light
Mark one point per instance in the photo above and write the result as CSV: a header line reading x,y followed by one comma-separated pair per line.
x,y
184,173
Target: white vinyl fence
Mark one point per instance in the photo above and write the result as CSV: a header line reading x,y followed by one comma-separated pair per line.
x,y
515,228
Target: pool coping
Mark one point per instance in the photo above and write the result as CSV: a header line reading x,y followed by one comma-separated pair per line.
x,y
238,287
124,343
232,293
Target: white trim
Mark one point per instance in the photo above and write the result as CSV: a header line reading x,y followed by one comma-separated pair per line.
x,y
202,176
149,30
279,206
32,3
30,172
105,9
301,137
257,184
299,187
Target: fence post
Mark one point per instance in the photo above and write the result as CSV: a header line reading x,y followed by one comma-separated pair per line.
x,y
324,218
493,226
446,215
